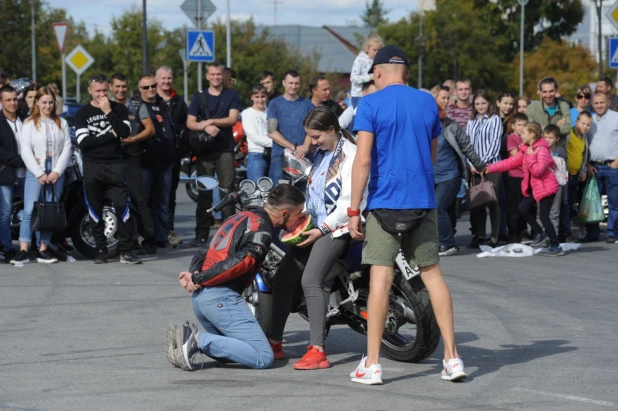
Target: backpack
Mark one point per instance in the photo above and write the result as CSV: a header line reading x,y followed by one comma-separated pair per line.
x,y
560,171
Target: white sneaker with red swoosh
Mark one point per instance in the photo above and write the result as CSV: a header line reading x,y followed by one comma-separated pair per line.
x,y
453,370
371,375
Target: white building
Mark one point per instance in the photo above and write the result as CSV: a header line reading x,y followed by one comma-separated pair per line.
x,y
588,30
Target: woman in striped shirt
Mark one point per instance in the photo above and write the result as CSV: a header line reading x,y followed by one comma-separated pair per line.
x,y
485,131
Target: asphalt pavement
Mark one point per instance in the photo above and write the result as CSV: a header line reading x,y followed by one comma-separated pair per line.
x,y
535,333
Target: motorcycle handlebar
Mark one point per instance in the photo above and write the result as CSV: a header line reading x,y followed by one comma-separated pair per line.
x,y
230,199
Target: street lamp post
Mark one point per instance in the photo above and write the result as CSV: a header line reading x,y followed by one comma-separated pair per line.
x,y
228,38
33,41
599,6
522,3
420,51
144,39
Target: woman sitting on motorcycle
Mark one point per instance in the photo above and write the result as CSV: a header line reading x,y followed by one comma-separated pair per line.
x,y
46,150
310,263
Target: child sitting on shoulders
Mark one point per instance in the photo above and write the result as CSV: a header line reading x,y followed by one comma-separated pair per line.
x,y
362,64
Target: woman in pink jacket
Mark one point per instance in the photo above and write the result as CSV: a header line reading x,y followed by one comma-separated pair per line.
x,y
538,186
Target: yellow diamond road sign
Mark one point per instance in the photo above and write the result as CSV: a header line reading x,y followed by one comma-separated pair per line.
x,y
79,60
612,14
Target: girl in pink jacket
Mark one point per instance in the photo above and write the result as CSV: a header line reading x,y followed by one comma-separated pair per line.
x,y
539,186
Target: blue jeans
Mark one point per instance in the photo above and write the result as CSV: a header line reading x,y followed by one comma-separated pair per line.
x,y
6,206
257,166
276,169
607,179
446,193
232,332
157,183
32,192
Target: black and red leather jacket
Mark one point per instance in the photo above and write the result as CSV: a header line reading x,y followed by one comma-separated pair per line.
x,y
235,253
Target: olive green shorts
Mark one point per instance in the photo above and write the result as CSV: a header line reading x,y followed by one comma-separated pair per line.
x,y
420,246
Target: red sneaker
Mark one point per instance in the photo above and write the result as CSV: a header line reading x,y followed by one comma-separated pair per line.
x,y
314,359
277,350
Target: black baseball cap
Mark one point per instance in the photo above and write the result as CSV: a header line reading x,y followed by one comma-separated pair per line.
x,y
385,54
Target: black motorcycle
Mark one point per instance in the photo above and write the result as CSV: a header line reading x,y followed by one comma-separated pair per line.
x,y
411,332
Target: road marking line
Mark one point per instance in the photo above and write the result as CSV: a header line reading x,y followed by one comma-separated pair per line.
x,y
569,397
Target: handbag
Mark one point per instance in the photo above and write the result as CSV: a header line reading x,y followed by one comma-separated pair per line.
x,y
399,222
200,141
481,194
48,216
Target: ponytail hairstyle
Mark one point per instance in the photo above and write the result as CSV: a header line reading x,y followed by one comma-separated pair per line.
x,y
35,113
324,119
535,129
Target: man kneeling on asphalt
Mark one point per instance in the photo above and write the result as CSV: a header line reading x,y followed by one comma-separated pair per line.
x,y
218,275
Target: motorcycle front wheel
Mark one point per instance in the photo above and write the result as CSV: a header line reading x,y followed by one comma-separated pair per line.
x,y
81,235
260,304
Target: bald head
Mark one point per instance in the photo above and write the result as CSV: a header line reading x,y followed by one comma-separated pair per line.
x,y
600,103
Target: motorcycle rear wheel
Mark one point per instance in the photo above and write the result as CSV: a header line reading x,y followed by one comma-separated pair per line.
x,y
413,296
81,235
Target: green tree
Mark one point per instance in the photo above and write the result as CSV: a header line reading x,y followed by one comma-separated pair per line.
x,y
452,45
543,18
374,14
571,66
254,50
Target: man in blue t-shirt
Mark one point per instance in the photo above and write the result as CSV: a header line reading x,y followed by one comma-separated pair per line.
x,y
223,108
286,115
397,131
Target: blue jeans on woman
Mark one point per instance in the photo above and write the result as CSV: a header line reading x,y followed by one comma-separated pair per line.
x,y
32,192
232,332
6,207
446,193
257,166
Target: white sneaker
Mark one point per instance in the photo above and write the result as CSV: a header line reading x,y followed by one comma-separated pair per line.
x,y
367,375
453,370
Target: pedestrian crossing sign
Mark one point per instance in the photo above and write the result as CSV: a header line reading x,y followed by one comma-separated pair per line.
x,y
201,45
613,52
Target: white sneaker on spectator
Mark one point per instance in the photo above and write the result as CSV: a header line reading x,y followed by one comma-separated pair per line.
x,y
371,375
453,370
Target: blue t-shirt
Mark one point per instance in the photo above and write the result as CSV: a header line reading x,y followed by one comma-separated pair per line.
x,y
404,121
574,115
447,163
290,115
218,107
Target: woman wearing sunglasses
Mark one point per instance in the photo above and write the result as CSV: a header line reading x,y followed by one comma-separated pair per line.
x,y
583,95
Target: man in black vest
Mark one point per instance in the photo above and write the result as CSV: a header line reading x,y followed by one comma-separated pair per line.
x,y
141,130
10,162
158,157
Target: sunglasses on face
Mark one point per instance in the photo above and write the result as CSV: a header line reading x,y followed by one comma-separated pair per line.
x,y
151,87
581,96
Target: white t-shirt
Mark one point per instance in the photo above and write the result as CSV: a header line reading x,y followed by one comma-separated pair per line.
x,y
256,129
